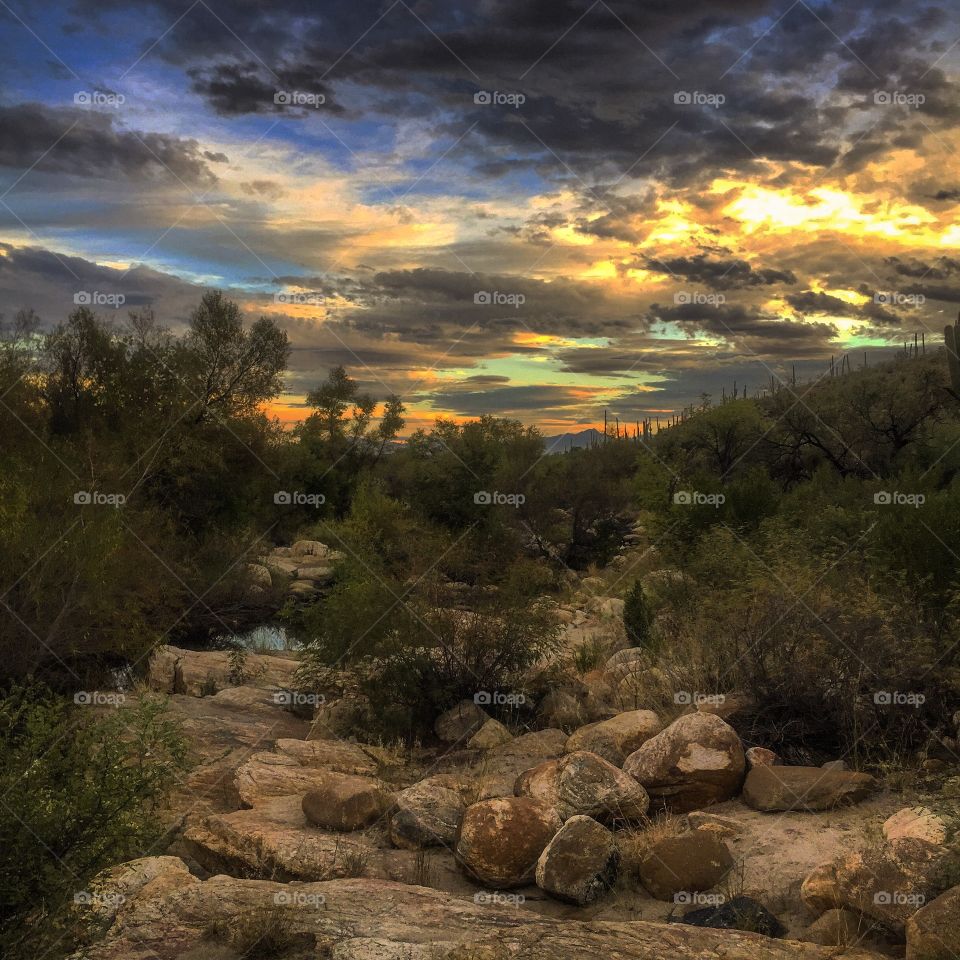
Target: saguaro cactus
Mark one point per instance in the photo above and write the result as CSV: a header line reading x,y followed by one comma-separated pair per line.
x,y
951,337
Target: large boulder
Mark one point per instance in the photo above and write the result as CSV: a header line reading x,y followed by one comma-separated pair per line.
x,y
770,788
584,784
933,932
460,723
685,864
204,672
343,802
372,919
295,766
696,761
427,814
887,883
492,734
500,841
615,739
579,863
917,823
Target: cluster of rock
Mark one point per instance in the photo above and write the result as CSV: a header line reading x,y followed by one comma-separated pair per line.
x,y
306,567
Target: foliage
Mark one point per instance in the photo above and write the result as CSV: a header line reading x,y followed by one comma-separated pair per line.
x,y
80,792
636,616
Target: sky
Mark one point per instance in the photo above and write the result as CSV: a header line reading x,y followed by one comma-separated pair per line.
x,y
537,209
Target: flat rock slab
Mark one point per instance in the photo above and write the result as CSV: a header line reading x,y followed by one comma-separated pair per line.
x,y
770,788
197,672
365,919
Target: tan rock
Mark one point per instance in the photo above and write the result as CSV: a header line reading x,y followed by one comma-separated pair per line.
x,y
492,734
584,784
933,932
340,801
888,884
722,826
804,788
427,814
499,841
294,766
580,863
761,757
460,723
200,672
615,739
688,863
315,574
917,823
369,919
258,575
696,761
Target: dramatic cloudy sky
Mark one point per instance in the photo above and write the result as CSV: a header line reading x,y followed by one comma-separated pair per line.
x,y
536,208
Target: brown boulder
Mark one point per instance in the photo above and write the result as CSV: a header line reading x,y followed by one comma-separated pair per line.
x,y
426,814
579,863
615,739
343,802
933,932
696,761
887,883
689,863
499,841
804,788
586,785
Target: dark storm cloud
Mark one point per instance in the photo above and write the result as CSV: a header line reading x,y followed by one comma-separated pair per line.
x,y
88,143
600,82
718,274
48,282
810,301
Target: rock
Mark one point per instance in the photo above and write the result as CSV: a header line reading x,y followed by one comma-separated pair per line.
x,y
285,566
623,663
500,841
584,784
343,802
201,672
933,932
309,548
761,757
492,734
916,823
296,766
838,928
427,814
337,718
461,722
111,888
304,589
740,913
592,584
834,765
502,765
371,919
559,708
804,788
615,739
259,576
696,761
725,705
315,574
579,863
722,826
610,608
276,839
888,884
688,863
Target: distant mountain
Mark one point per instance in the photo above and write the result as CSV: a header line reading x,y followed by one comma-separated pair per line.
x,y
564,441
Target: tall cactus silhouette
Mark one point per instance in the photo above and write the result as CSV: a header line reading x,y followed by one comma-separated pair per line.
x,y
951,336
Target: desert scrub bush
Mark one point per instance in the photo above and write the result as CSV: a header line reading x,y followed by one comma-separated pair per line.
x,y
260,933
81,792
413,658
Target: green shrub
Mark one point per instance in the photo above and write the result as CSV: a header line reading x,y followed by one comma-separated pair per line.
x,y
636,616
80,791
